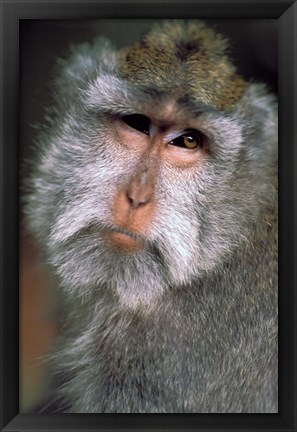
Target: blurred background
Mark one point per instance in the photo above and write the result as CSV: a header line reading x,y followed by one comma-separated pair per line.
x,y
254,50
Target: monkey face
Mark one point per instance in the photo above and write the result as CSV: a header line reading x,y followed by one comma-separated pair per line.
x,y
137,196
149,145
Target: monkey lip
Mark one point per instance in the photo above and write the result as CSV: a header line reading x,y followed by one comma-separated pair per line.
x,y
123,239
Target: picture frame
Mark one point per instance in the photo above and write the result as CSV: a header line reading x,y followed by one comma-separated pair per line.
x,y
11,14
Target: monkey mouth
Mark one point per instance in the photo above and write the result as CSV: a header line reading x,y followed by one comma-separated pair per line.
x,y
123,239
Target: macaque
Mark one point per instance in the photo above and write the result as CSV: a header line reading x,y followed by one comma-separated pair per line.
x,y
153,192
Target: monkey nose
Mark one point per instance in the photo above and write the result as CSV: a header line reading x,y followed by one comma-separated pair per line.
x,y
140,189
138,196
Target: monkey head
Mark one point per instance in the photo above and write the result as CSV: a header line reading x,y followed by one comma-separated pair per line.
x,y
155,162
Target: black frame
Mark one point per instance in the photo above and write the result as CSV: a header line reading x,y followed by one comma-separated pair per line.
x,y
11,13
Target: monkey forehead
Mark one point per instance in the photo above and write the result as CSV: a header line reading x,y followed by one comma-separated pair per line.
x,y
175,112
111,94
168,112
188,55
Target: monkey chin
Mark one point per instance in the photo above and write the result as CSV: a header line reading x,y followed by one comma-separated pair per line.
x,y
123,242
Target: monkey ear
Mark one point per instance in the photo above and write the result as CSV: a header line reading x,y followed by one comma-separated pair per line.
x,y
257,100
85,62
258,111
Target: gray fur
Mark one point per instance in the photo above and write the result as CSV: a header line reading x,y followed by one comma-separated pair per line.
x,y
189,324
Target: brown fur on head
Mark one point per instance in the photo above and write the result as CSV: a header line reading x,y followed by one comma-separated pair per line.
x,y
185,55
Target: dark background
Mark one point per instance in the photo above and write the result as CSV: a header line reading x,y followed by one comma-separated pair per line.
x,y
254,50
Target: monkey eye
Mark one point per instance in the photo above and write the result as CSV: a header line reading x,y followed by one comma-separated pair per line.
x,y
190,140
138,121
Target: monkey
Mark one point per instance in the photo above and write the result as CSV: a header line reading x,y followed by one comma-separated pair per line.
x,y
153,192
